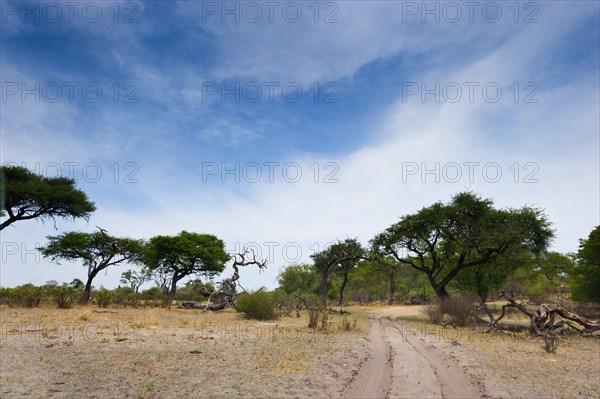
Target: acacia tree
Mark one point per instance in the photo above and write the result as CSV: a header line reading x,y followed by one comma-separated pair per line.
x,y
25,195
389,268
486,278
97,250
585,284
554,265
186,254
441,240
343,256
343,268
136,278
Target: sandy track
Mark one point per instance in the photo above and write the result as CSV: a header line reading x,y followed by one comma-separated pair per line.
x,y
401,365
374,376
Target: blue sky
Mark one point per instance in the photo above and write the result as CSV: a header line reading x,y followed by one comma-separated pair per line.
x,y
162,97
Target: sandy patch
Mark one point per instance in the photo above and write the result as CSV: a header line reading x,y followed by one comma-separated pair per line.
x,y
148,353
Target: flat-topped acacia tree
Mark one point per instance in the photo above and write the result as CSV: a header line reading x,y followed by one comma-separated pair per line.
x,y
183,255
97,250
441,240
25,195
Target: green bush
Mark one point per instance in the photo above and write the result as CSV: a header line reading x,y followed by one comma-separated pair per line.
x,y
539,289
6,296
154,297
256,305
103,298
64,296
27,296
125,296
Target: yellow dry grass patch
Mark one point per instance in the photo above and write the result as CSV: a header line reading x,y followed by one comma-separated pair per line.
x,y
118,352
516,365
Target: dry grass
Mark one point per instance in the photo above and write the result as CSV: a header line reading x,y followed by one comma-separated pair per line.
x,y
150,352
158,353
517,365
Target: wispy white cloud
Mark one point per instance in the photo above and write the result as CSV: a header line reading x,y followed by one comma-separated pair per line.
x,y
558,135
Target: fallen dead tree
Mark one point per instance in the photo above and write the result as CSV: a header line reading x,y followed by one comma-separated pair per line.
x,y
224,295
543,319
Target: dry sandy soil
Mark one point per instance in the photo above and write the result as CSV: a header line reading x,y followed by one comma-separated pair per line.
x,y
503,365
392,352
155,353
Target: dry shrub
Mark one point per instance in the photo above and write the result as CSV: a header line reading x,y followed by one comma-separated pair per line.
x,y
434,312
324,321
550,343
590,310
460,309
313,317
348,324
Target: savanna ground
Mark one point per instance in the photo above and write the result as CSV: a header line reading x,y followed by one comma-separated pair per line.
x,y
157,353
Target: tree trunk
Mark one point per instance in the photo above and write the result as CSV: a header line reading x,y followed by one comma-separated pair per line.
x,y
440,289
324,291
392,287
87,291
88,287
342,289
441,292
172,291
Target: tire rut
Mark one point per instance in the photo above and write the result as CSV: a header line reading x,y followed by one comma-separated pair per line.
x,y
374,376
401,365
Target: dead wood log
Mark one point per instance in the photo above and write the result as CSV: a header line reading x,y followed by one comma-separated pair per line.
x,y
543,318
547,311
227,289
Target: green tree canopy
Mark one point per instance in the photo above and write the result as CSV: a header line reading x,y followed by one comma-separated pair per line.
x,y
443,239
97,250
342,256
185,254
486,278
136,278
25,195
298,279
554,265
585,280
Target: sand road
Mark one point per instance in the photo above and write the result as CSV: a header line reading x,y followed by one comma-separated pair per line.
x,y
401,365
